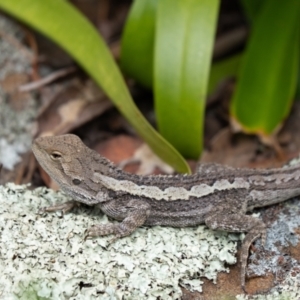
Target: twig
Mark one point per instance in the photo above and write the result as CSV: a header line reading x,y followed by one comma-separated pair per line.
x,y
46,80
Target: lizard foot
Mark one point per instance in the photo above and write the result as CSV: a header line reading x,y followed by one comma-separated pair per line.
x,y
64,207
102,230
254,227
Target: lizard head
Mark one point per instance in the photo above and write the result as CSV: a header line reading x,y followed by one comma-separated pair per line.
x,y
74,166
61,157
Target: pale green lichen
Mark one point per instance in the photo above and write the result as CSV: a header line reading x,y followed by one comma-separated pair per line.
x,y
45,256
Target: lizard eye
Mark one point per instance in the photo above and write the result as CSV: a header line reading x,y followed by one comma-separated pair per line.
x,y
55,155
76,181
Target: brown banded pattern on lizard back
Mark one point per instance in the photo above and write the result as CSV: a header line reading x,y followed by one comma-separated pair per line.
x,y
218,196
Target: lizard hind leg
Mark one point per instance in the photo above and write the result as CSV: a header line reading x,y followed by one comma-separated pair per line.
x,y
254,227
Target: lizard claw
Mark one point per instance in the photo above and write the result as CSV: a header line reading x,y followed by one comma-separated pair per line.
x,y
112,240
263,238
41,210
86,236
243,282
244,288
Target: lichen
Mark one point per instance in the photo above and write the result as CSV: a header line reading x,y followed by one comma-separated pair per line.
x,y
46,256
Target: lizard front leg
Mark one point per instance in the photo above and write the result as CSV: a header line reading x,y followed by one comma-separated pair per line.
x,y
134,214
237,222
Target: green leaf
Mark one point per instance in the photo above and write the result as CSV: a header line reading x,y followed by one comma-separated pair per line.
x,y
61,22
224,69
252,7
138,41
185,32
268,75
297,94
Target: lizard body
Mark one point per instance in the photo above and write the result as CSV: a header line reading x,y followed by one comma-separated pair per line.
x,y
216,195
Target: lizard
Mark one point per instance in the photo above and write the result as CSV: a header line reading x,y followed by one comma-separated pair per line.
x,y
216,195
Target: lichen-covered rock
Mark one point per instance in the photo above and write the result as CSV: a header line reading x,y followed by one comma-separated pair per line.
x,y
46,257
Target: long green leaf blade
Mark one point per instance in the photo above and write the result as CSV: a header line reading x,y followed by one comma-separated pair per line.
x,y
60,21
252,8
185,32
267,79
138,41
224,69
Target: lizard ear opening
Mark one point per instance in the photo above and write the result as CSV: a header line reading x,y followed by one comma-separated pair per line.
x,y
55,155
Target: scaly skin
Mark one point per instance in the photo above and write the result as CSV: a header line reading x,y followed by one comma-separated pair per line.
x,y
216,195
